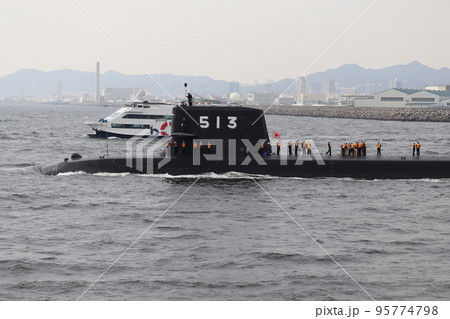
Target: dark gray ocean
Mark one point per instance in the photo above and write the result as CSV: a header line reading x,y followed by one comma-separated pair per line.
x,y
225,238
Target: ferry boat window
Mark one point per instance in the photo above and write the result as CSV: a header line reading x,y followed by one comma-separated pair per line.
x,y
134,126
147,116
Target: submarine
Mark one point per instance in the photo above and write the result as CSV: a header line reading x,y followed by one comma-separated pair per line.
x,y
221,139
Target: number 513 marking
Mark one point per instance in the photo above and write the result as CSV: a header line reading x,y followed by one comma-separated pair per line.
x,y
204,122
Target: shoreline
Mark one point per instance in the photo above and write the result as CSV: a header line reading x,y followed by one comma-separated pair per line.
x,y
367,113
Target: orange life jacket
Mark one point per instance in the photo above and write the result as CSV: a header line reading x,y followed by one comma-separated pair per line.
x,y
278,144
417,145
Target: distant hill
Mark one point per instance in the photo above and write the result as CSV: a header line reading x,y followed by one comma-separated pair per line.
x,y
39,83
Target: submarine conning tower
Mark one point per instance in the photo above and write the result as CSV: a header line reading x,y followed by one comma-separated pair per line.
x,y
215,128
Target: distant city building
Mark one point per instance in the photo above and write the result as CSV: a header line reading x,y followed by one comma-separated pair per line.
x,y
233,87
395,84
285,100
124,94
349,91
328,86
312,99
372,88
301,85
438,88
262,98
406,98
235,97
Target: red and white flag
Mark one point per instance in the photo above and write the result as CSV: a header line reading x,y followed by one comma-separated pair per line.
x,y
276,134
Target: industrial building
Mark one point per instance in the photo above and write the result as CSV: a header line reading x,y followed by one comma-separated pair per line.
x,y
262,98
119,94
405,98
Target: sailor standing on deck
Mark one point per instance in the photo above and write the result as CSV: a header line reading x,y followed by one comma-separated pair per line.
x,y
414,149
351,152
278,148
418,148
290,147
296,148
175,147
304,148
183,147
309,148
378,149
329,148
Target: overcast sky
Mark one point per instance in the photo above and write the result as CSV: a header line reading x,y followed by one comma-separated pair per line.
x,y
229,40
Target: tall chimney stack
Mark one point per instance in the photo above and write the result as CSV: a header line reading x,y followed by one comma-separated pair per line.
x,y
97,84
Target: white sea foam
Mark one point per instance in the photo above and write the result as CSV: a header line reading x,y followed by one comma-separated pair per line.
x,y
71,173
112,174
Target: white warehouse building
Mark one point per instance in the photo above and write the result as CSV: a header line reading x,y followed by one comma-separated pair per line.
x,y
406,98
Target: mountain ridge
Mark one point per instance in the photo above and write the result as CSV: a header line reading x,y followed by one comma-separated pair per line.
x,y
33,82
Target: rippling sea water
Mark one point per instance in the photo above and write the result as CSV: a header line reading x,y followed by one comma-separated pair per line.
x,y
226,238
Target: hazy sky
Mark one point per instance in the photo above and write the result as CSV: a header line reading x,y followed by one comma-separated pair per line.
x,y
239,40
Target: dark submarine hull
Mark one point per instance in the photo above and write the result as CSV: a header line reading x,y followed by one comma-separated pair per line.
x,y
331,166
235,139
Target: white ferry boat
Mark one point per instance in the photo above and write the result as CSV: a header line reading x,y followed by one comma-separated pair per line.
x,y
148,119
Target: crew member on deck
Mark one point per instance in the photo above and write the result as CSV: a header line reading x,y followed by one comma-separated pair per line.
x,y
418,148
278,148
175,147
343,148
308,145
364,148
351,152
168,148
414,149
378,149
296,148
261,149
329,148
290,147
304,148
183,147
